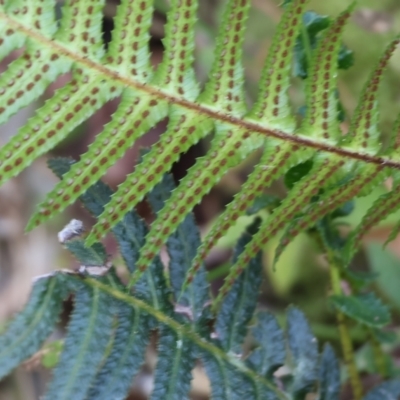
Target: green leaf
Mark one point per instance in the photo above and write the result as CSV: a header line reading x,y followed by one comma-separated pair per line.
x,y
239,304
93,255
176,359
303,348
313,24
385,391
131,338
182,246
387,268
329,375
228,384
364,308
270,353
89,332
30,328
265,201
297,172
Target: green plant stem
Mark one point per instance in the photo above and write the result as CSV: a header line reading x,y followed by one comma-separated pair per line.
x,y
379,356
347,345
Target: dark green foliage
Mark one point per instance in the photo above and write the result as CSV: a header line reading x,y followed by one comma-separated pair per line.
x,y
175,362
89,333
386,391
270,353
182,246
27,332
130,234
93,255
364,308
239,305
111,325
126,356
329,375
303,348
297,172
313,25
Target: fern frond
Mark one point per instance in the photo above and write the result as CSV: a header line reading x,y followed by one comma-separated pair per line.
x,y
325,170
73,44
267,358
329,375
89,333
363,135
233,318
384,206
27,332
130,340
110,328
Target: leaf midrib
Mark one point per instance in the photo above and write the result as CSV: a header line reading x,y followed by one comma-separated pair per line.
x,y
198,108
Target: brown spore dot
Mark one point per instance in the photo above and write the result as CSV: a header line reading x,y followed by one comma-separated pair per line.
x,y
149,256
121,143
95,170
51,133
85,180
66,197
141,187
77,188
40,142
114,217
103,160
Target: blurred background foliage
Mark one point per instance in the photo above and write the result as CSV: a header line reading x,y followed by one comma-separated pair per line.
x,y
300,276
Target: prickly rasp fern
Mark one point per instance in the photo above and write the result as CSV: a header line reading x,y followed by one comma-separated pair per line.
x,y
343,166
109,329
